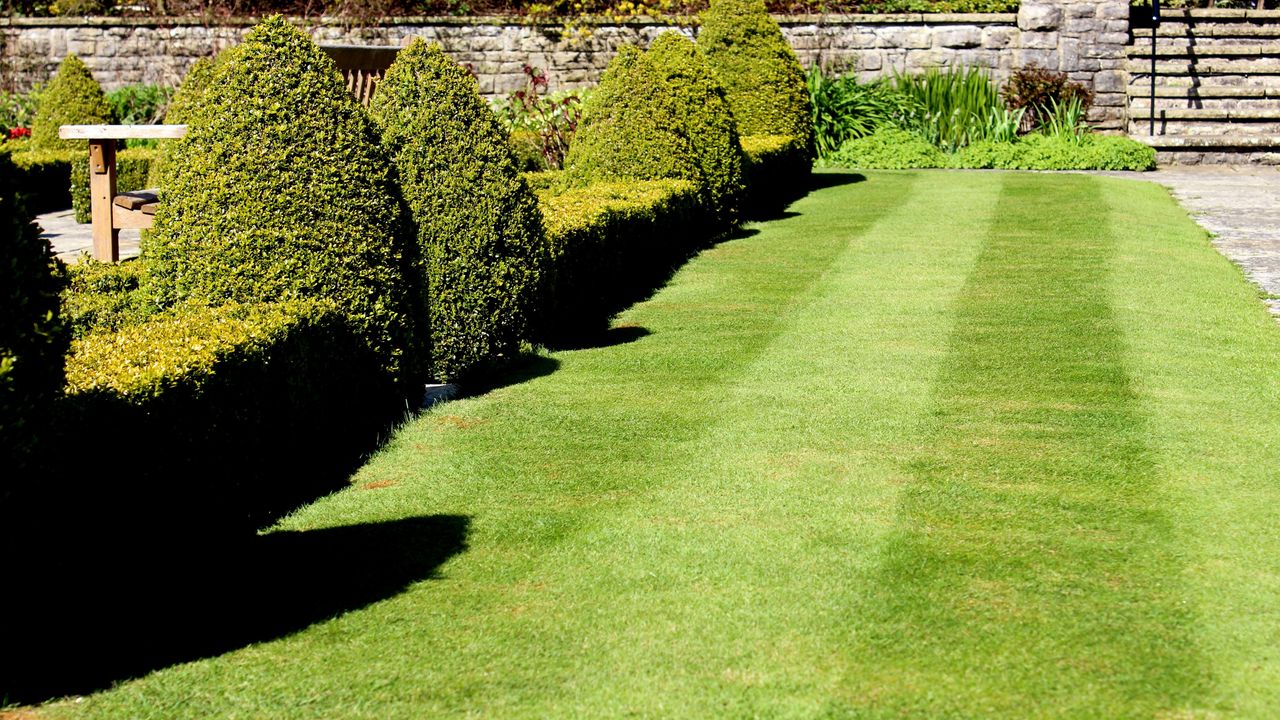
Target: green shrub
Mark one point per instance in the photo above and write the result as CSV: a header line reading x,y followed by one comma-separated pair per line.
x,y
612,244
133,169
889,149
140,104
72,97
952,107
105,297
45,177
282,190
237,413
844,109
759,71
627,130
33,339
703,114
480,235
1090,152
180,109
776,170
1035,90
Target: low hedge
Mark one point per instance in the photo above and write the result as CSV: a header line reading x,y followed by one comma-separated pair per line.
x,y
106,297
222,418
133,168
894,149
613,244
44,177
777,169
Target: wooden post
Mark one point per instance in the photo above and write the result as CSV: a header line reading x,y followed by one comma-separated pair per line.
x,y
102,190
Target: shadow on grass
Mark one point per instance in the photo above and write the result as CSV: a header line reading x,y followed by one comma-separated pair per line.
x,y
616,335
74,630
523,368
838,178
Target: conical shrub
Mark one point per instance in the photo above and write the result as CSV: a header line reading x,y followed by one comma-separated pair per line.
x,y
181,107
630,128
703,114
479,230
759,71
72,97
280,190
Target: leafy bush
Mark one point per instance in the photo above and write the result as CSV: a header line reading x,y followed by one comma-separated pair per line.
x,y
844,109
703,114
133,170
627,130
33,339
72,97
775,167
889,149
141,104
180,109
280,190
541,125
1036,90
612,244
16,110
759,71
951,107
45,177
256,408
105,297
480,234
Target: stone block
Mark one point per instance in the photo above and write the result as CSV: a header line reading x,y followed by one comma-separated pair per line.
x,y
996,37
910,39
1109,82
1039,16
960,37
1112,38
1112,10
1040,40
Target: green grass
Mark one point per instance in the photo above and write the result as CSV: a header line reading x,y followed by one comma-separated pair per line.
x,y
938,445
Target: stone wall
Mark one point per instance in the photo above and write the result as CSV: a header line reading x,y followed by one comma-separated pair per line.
x,y
1085,39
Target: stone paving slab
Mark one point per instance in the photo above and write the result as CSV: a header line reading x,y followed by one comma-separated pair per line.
x,y
1240,206
71,239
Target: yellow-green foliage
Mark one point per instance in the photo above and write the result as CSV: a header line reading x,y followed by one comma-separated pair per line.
x,y
133,167
480,237
630,128
703,114
759,71
72,97
253,407
32,336
45,177
105,296
613,243
181,107
776,167
280,190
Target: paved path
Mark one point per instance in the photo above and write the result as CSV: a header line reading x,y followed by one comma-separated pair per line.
x,y
70,239
1240,205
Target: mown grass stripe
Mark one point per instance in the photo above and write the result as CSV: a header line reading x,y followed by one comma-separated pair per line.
x,y
1035,571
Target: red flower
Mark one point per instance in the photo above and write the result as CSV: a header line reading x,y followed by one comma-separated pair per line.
x,y
19,132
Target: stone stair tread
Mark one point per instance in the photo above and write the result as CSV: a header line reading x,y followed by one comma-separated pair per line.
x,y
1209,141
1204,67
1229,30
1204,92
1174,15
1217,114
1241,51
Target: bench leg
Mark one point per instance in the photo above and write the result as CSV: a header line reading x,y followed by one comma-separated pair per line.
x,y
102,191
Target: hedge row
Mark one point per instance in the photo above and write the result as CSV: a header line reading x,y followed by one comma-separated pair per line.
x,y
45,177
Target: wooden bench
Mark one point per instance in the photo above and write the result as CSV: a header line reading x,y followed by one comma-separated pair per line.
x,y
361,67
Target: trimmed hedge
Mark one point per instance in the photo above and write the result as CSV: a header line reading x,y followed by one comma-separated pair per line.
x,y
182,107
281,190
72,97
613,244
33,339
776,170
480,238
238,413
106,297
759,71
133,169
45,177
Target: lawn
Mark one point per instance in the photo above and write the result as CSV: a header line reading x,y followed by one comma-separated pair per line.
x,y
934,444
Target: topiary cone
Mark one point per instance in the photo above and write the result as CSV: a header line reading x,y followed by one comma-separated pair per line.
x,y
479,230
72,97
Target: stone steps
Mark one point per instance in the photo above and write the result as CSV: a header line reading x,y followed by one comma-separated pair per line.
x,y
1203,92
1219,149
1174,49
1234,32
1251,66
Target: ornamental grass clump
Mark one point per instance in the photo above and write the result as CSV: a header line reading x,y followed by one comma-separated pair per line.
x,y
704,115
759,71
281,190
480,238
72,97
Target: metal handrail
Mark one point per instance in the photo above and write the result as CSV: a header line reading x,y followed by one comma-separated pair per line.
x,y
1155,25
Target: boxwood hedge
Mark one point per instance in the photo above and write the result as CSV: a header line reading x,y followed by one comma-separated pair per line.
x,y
72,97
479,232
282,190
